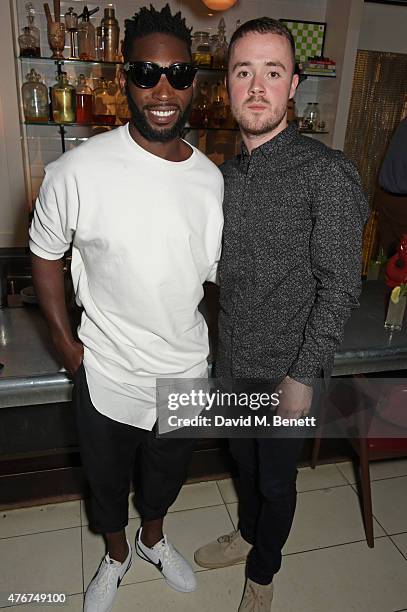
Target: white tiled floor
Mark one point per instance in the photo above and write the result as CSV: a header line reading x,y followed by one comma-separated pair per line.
x,y
327,566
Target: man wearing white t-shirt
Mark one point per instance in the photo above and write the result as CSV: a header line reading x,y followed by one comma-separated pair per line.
x,y
143,212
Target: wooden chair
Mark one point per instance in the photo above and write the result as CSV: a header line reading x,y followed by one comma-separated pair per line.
x,y
374,416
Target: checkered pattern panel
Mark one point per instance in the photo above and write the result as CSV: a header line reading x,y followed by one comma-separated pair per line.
x,y
308,37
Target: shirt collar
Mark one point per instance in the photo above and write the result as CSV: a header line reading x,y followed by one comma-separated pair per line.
x,y
276,144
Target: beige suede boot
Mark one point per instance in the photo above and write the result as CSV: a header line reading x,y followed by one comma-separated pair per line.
x,y
256,597
226,550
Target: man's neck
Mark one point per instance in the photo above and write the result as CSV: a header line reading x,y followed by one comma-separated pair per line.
x,y
252,141
175,150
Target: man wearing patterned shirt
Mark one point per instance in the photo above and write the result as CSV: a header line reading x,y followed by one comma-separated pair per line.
x,y
289,277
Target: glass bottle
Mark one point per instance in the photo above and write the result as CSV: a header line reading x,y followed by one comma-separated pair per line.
x,y
35,98
110,30
30,48
122,107
201,49
99,44
395,313
86,37
213,42
84,101
71,25
27,43
203,105
63,100
218,107
221,49
104,103
194,119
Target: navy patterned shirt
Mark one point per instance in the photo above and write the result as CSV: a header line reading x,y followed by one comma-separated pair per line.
x,y
290,271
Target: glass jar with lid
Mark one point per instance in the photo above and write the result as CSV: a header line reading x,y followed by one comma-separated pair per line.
x,y
84,101
104,102
63,98
311,117
35,98
201,49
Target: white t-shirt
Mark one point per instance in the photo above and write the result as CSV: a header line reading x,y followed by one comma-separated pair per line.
x,y
145,234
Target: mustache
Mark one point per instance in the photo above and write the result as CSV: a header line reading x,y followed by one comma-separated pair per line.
x,y
256,100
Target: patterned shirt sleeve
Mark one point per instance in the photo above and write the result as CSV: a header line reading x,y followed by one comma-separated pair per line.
x,y
340,210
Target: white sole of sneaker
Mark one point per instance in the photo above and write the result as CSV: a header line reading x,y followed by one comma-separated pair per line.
x,y
177,588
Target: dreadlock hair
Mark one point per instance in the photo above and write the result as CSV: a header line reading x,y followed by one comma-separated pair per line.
x,y
149,21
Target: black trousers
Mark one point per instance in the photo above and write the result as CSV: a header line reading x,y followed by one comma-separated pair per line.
x,y
267,499
267,494
108,452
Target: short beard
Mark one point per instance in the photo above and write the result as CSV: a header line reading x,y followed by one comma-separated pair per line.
x,y
139,119
255,128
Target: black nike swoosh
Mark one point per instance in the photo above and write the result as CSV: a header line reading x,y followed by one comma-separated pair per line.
x,y
158,565
120,579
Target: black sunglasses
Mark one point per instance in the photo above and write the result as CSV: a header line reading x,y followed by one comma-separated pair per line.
x,y
147,75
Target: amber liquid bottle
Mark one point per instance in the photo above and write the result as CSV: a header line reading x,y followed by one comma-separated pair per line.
x,y
104,104
84,101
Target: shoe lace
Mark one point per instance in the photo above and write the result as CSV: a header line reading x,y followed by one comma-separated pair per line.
x,y
170,555
105,577
228,538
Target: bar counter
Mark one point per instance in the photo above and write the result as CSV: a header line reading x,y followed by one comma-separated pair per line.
x,y
32,372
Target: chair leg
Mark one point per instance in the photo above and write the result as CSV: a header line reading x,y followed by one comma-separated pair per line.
x,y
366,492
318,434
315,450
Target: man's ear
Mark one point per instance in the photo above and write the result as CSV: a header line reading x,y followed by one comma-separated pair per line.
x,y
294,85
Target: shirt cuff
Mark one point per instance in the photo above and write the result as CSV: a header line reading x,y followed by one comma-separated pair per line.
x,y
305,380
305,371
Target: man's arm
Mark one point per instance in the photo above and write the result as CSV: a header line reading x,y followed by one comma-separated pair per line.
x,y
48,278
51,233
393,173
340,210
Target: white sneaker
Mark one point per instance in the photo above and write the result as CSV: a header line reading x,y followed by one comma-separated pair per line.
x,y
102,590
176,570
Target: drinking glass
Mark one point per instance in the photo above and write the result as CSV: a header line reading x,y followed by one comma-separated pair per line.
x,y
56,39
